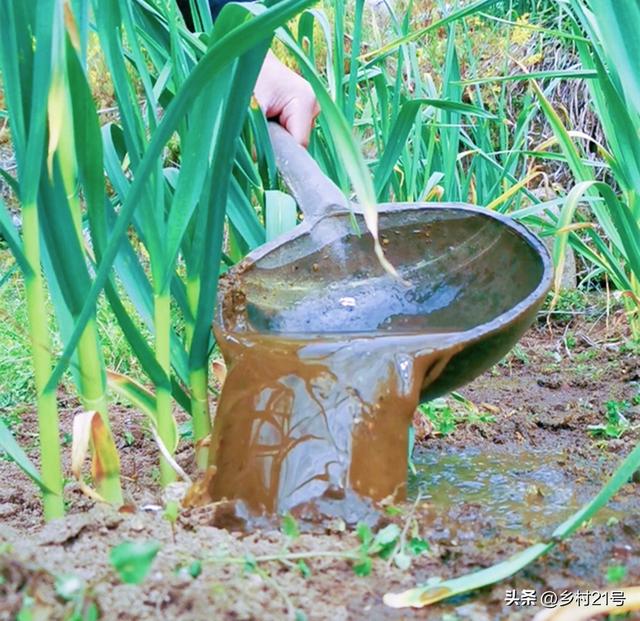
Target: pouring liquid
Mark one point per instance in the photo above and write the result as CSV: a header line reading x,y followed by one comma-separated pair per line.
x,y
314,426
328,355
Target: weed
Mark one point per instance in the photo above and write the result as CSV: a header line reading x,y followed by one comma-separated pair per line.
x,y
616,423
631,347
570,340
132,560
171,513
289,527
11,419
445,417
193,569
587,355
74,590
396,545
568,302
440,414
616,573
519,353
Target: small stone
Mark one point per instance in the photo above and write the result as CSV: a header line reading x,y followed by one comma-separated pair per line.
x,y
136,524
552,382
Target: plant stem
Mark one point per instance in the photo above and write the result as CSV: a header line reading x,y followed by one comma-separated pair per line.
x,y
633,307
92,379
288,556
162,319
48,426
94,398
199,384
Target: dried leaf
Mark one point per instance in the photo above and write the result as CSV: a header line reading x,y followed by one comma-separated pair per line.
x,y
89,429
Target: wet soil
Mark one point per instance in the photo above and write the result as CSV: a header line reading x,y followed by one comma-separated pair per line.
x,y
488,489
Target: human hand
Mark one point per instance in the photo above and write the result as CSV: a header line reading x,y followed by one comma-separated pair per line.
x,y
284,95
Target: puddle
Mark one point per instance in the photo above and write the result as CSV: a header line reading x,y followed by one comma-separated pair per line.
x,y
521,492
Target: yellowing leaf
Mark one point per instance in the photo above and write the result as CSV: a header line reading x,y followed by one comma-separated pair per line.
x,y
55,112
90,429
71,26
514,189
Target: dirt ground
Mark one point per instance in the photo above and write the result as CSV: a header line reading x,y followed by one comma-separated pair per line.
x,y
488,489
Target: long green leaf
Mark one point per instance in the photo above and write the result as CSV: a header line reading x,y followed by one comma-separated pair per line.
x,y
466,11
570,151
578,74
9,445
217,58
619,22
346,146
141,398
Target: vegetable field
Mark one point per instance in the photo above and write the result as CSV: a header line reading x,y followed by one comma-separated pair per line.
x,y
136,170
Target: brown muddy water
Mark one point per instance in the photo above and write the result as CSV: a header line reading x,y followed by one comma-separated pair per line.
x,y
328,355
525,492
322,422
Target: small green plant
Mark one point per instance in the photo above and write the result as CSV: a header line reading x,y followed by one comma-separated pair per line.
x,y
445,416
567,302
519,353
132,560
382,544
616,573
11,419
570,340
304,569
171,513
289,527
390,543
440,414
193,569
631,347
616,423
74,590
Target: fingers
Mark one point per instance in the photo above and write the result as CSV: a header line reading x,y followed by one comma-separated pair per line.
x,y
298,117
283,94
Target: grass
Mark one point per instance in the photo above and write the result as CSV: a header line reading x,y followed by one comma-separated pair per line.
x,y
16,375
616,423
445,415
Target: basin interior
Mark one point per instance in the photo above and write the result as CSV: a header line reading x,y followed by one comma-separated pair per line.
x,y
460,269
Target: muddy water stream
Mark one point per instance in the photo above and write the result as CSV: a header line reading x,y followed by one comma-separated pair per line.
x,y
317,426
